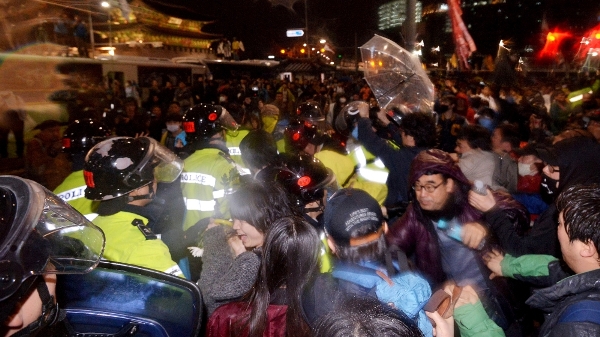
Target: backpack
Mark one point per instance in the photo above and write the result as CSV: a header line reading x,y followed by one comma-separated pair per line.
x,y
405,291
583,311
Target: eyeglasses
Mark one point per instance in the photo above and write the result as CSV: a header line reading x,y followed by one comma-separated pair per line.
x,y
429,188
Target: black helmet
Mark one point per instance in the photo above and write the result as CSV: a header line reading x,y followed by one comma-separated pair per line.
x,y
309,112
40,234
347,117
305,177
202,121
298,134
82,135
119,165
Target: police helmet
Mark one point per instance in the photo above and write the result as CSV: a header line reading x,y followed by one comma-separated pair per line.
x,y
305,178
82,135
40,234
349,114
203,121
119,165
309,111
298,134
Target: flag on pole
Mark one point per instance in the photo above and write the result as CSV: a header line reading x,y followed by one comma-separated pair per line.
x,y
464,44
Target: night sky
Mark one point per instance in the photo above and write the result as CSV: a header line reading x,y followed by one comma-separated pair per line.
x,y
261,24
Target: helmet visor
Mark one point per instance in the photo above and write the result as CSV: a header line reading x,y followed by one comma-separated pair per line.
x,y
228,123
164,165
62,239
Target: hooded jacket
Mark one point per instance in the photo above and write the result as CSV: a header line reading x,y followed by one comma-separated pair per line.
x,y
578,160
417,236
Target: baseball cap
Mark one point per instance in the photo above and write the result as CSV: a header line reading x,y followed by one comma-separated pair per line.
x,y
350,210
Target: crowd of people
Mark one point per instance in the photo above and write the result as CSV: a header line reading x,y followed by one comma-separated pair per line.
x,y
302,208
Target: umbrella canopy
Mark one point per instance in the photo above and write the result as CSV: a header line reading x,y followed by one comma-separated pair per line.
x,y
396,76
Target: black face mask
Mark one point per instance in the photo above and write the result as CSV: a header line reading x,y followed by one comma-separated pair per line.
x,y
548,189
444,107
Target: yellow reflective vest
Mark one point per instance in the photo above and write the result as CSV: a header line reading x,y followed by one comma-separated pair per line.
x,y
208,176
126,243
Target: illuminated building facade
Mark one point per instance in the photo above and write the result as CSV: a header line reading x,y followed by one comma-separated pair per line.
x,y
392,14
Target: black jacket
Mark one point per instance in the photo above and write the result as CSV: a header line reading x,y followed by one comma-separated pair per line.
x,y
397,161
555,299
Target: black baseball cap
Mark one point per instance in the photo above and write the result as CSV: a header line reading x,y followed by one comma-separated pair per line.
x,y
349,210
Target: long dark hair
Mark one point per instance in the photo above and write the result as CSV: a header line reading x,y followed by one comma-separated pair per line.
x,y
260,205
290,260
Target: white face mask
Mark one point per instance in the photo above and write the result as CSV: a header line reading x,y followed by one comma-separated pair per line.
x,y
173,127
525,169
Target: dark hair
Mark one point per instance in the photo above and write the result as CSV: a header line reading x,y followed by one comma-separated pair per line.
x,y
372,251
450,98
510,133
580,206
477,136
174,117
365,317
290,259
258,150
421,127
260,205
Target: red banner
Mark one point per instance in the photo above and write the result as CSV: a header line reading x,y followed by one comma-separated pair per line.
x,y
463,42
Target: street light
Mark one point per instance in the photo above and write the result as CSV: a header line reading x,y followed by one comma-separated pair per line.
x,y
106,5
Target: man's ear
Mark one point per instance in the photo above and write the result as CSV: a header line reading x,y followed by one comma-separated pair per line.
x,y
450,185
331,244
588,249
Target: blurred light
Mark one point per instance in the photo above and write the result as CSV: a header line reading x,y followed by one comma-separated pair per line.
x,y
282,51
304,45
313,48
271,57
551,37
372,63
331,63
322,50
105,4
322,41
303,50
380,63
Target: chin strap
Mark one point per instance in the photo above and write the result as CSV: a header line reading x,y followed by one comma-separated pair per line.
x,y
51,314
150,195
319,208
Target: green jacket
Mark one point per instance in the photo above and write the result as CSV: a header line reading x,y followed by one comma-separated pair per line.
x,y
125,243
208,176
472,320
72,190
233,140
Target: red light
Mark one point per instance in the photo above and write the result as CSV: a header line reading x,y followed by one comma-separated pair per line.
x,y
66,143
304,181
189,127
296,137
597,36
551,37
89,179
212,117
390,113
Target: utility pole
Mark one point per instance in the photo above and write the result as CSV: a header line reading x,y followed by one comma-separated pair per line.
x,y
306,27
91,34
411,24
